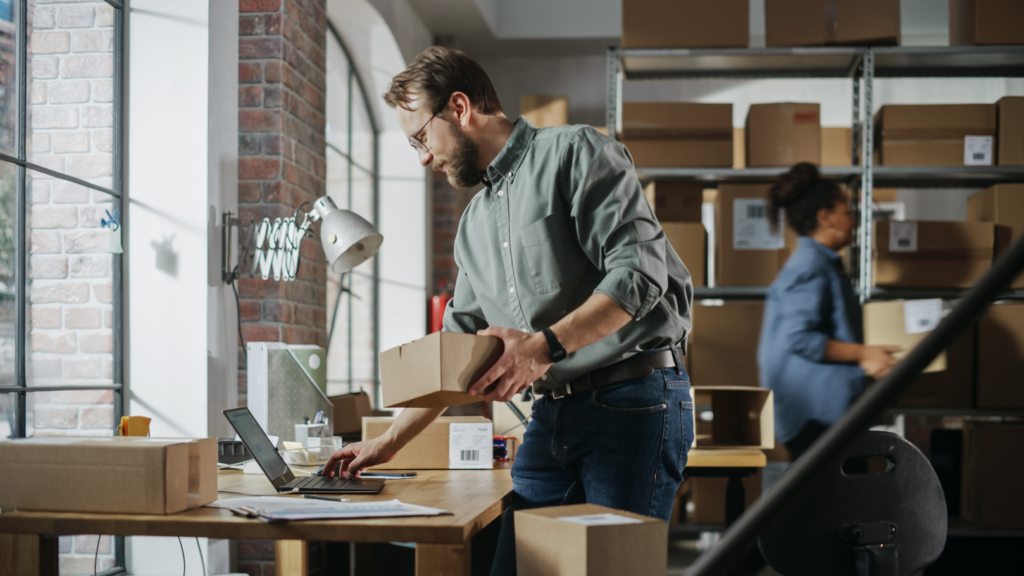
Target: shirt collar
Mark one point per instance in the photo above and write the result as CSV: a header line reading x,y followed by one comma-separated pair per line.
x,y
812,244
507,162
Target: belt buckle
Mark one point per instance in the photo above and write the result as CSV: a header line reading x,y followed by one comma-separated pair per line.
x,y
568,390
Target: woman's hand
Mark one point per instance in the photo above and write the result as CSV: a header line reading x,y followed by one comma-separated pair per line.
x,y
877,361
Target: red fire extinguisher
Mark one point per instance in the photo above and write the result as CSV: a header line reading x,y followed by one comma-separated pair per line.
x,y
437,306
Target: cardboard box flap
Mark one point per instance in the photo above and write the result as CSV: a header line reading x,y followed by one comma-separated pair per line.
x,y
743,416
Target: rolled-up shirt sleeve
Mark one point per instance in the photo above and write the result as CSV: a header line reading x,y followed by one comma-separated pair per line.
x,y
615,224
802,312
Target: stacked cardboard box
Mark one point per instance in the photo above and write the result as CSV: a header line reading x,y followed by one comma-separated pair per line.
x,y
783,134
1001,357
544,111
677,204
976,22
677,133
1010,131
434,449
1002,205
935,135
932,254
749,251
685,23
836,147
993,464
723,346
822,22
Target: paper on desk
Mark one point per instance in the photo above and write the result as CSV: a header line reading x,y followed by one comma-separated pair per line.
x,y
274,508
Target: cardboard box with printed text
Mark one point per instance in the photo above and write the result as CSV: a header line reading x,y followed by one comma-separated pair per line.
x,y
436,370
783,134
935,135
434,449
750,252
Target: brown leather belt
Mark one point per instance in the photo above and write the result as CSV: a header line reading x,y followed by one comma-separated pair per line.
x,y
638,366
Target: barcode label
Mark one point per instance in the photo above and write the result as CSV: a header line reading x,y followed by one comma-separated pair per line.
x,y
469,455
921,315
902,236
470,445
750,228
755,211
979,156
977,150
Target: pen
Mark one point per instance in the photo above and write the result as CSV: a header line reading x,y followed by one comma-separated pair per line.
x,y
315,497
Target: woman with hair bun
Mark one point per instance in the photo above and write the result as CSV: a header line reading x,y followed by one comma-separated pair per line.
x,y
811,351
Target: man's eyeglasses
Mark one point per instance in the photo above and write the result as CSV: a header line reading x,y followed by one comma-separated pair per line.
x,y
414,140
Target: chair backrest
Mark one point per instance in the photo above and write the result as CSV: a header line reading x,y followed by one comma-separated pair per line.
x,y
813,537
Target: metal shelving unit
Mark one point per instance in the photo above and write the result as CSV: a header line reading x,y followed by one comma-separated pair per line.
x,y
861,65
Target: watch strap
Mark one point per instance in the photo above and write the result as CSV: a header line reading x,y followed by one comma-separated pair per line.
x,y
556,351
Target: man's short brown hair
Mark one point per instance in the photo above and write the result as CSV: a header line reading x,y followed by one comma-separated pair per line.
x,y
436,74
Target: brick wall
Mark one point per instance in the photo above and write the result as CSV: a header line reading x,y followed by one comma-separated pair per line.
x,y
448,205
282,159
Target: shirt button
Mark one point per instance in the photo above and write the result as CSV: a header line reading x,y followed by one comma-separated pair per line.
x,y
543,376
512,290
504,245
509,174
501,193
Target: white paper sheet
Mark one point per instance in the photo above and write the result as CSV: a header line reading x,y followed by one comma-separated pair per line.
x,y
606,519
750,228
921,315
470,446
274,508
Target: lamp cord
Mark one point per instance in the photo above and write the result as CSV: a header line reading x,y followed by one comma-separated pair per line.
x,y
182,556
96,556
238,308
201,560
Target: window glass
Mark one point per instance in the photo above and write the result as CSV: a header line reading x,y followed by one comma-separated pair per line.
x,y
8,281
8,77
363,138
337,96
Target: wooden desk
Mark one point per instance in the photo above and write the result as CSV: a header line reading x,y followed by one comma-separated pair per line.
x,y
475,497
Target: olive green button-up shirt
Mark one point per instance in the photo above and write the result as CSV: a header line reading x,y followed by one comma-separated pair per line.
x,y
562,217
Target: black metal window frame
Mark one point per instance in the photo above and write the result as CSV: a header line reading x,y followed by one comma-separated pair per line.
x,y
356,87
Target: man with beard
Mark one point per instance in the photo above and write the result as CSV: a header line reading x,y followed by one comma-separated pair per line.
x,y
560,256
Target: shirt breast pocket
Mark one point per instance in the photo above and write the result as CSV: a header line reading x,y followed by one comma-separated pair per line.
x,y
553,255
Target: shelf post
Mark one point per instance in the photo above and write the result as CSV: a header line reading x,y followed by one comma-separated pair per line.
x,y
614,103
867,178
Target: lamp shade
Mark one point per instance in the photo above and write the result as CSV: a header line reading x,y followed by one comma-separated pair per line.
x,y
348,239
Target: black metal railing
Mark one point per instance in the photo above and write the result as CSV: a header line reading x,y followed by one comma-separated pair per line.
x,y
875,400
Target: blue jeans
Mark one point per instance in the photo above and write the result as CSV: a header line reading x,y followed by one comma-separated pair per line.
x,y
623,446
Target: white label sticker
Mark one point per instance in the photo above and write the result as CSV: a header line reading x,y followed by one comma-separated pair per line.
x,y
977,150
921,315
606,519
902,236
470,445
750,227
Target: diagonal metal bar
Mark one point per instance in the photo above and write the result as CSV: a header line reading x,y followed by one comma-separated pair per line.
x,y
857,419
37,168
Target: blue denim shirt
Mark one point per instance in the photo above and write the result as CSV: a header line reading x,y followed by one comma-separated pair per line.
x,y
810,302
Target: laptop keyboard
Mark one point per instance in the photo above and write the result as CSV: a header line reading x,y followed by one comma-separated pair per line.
x,y
316,483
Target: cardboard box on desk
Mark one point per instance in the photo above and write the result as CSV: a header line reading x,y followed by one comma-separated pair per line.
x,y
903,323
993,464
830,22
744,417
722,350
127,475
935,135
1010,130
436,370
1001,356
690,241
783,134
677,133
685,23
436,449
932,254
625,543
1003,205
977,22
749,251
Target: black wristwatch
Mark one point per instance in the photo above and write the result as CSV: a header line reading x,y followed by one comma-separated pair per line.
x,y
555,349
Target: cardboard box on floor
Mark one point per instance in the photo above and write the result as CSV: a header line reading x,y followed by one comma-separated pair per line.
x,y
993,464
544,111
690,241
1002,205
436,370
1010,130
932,254
708,497
677,133
675,200
432,448
744,417
783,134
121,474
549,545
886,323
952,387
750,253
977,22
836,147
685,24
723,346
933,134
1001,356
827,22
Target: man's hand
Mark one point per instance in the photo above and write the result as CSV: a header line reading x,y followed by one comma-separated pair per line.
x,y
525,360
357,456
877,361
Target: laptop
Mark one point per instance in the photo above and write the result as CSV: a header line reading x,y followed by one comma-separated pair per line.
x,y
273,465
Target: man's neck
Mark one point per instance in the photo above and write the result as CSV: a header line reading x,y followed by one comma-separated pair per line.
x,y
491,136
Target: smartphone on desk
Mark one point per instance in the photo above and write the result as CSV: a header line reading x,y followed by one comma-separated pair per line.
x,y
395,475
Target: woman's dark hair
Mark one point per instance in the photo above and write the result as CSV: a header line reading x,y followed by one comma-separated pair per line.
x,y
802,192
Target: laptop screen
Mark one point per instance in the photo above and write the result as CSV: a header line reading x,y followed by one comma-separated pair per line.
x,y
256,441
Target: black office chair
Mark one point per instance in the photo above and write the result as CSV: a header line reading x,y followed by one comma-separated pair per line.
x,y
880,511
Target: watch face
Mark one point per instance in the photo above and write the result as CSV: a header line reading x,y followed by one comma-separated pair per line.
x,y
558,355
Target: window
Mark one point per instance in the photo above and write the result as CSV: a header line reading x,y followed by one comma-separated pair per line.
x,y
352,182
60,285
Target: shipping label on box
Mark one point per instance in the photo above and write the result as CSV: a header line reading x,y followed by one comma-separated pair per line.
x,y
470,445
459,442
977,150
751,229
899,323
